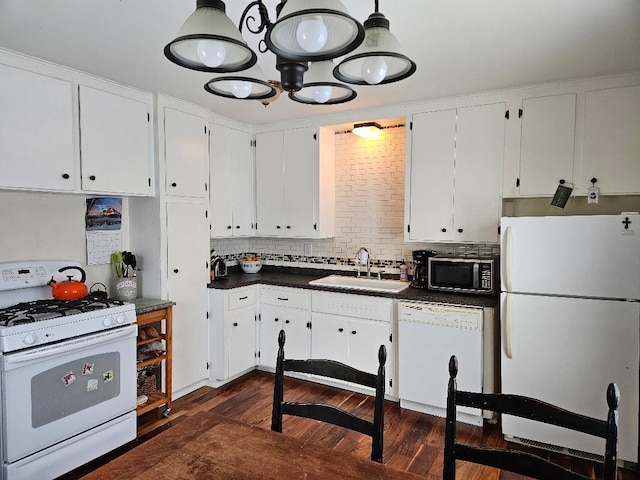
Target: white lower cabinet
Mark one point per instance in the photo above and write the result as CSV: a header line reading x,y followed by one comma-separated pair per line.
x,y
285,309
233,332
350,329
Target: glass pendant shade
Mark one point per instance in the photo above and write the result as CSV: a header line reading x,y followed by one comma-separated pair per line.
x,y
378,60
249,85
320,88
208,41
314,30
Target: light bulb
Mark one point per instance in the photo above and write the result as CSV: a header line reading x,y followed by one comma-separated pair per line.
x,y
211,52
374,69
321,93
312,34
240,88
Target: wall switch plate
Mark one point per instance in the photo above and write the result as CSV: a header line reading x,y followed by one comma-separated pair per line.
x,y
592,194
308,249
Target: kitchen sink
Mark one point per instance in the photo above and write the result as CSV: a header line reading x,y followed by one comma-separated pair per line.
x,y
360,283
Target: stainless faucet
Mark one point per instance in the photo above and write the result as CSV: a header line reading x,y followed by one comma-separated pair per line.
x,y
362,258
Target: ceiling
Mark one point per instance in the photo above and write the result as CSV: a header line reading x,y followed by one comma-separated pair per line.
x,y
460,46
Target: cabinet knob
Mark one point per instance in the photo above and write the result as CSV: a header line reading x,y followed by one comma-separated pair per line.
x,y
594,180
174,184
65,176
288,227
276,319
175,270
278,227
235,324
443,230
287,321
460,230
353,332
237,226
228,227
561,181
92,177
341,330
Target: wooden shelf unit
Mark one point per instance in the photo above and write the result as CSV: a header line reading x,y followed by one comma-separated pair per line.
x,y
163,395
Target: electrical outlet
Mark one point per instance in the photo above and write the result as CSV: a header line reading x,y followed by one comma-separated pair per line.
x,y
308,250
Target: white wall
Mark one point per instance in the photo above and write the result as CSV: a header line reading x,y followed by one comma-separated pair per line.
x,y
50,226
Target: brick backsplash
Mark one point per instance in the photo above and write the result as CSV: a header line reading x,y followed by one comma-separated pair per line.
x,y
370,177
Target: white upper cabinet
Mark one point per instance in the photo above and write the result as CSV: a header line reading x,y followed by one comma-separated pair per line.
x,y
36,132
295,184
611,153
454,178
186,152
116,141
547,144
231,182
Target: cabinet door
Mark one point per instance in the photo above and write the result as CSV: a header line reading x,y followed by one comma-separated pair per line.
x,y
612,140
547,143
115,144
186,154
242,199
36,131
294,323
478,172
270,184
187,255
242,340
365,338
220,171
330,337
431,178
300,183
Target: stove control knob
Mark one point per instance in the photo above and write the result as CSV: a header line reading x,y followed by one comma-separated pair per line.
x,y
107,322
120,318
29,339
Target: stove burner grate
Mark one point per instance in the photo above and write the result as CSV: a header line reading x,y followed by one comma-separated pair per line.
x,y
39,310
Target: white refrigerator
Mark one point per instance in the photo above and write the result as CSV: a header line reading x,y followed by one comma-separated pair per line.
x,y
570,322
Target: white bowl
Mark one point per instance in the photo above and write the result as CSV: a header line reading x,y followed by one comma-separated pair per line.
x,y
250,266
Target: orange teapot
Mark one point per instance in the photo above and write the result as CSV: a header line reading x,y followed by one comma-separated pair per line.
x,y
71,289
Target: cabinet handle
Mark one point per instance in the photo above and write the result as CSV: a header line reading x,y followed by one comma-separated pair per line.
x,y
243,298
594,180
561,181
235,324
460,230
174,184
278,227
443,230
288,227
353,332
175,270
228,227
287,321
283,299
237,226
92,177
276,319
341,330
65,176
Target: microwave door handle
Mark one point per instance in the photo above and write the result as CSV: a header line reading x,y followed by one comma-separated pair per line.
x,y
476,275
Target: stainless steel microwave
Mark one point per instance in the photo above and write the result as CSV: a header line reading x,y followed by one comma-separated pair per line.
x,y
463,275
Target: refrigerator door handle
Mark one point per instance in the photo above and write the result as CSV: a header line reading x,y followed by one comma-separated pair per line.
x,y
506,315
506,252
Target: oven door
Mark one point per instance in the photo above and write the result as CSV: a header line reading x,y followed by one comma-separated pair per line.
x,y
54,392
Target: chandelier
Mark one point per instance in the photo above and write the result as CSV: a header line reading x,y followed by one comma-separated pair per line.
x,y
306,38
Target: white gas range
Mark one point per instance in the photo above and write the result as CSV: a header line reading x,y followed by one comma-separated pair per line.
x,y
67,374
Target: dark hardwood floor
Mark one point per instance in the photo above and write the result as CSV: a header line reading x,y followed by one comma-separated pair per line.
x,y
412,442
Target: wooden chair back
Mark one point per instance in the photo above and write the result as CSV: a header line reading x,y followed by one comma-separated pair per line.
x,y
525,463
330,413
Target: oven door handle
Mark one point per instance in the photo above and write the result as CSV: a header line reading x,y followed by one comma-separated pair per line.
x,y
69,346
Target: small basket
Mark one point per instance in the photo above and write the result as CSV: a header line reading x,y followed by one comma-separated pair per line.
x,y
148,386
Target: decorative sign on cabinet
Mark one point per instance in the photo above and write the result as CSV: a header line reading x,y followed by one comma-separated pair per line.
x,y
454,177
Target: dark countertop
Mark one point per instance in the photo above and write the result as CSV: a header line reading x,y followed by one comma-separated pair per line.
x,y
147,305
300,278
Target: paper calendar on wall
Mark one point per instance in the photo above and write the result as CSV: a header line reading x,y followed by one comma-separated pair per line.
x,y
100,246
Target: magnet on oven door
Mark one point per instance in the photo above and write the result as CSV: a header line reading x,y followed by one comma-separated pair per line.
x,y
107,376
68,379
87,369
92,385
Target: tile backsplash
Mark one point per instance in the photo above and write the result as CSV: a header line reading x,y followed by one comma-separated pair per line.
x,y
370,176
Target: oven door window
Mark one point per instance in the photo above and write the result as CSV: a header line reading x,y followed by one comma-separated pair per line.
x,y
452,274
54,392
